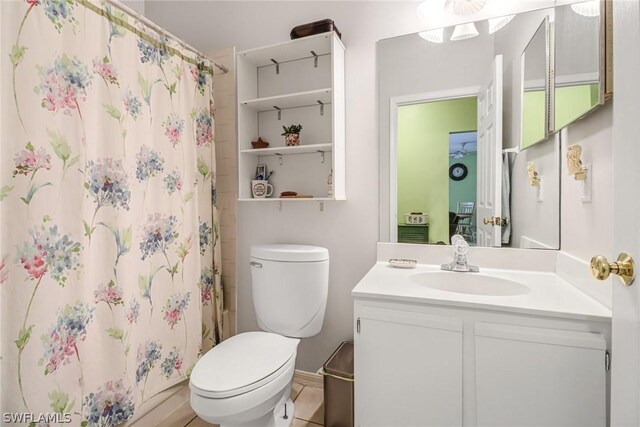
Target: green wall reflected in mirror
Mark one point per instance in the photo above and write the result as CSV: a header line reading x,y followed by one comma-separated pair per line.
x,y
572,102
534,117
423,159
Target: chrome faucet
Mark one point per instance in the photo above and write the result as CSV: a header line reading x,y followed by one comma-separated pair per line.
x,y
459,263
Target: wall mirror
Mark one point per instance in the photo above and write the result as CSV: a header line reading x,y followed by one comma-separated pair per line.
x,y
536,95
580,60
449,134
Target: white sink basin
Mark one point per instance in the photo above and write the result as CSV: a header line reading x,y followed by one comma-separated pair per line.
x,y
469,283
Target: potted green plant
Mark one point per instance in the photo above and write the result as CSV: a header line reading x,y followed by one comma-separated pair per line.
x,y
292,135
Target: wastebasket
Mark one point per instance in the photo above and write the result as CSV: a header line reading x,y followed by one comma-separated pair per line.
x,y
338,387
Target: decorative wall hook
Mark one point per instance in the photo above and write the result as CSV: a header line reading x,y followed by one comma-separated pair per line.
x,y
534,178
574,162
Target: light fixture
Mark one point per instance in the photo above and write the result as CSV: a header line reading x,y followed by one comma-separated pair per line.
x,y
587,8
464,7
464,31
496,24
433,36
429,7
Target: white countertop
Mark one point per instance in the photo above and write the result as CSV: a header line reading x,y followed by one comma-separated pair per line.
x,y
550,295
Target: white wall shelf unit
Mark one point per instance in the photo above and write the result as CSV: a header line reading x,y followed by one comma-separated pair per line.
x,y
295,82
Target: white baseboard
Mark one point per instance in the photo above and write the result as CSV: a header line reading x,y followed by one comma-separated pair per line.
x,y
308,378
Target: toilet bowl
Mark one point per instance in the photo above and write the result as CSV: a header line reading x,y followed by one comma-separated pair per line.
x,y
246,380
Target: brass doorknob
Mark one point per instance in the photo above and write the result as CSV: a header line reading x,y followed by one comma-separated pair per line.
x,y
623,267
495,220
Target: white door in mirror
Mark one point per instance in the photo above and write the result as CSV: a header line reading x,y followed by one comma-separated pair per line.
x,y
489,187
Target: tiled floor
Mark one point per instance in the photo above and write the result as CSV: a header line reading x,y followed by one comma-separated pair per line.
x,y
309,410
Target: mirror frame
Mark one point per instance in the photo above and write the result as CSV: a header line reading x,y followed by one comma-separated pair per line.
x,y
549,108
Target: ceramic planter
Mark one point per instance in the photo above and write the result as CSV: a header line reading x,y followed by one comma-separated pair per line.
x,y
292,139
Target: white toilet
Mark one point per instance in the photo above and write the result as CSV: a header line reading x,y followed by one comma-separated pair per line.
x,y
246,380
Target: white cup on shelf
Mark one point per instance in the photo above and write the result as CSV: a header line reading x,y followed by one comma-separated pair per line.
x,y
261,188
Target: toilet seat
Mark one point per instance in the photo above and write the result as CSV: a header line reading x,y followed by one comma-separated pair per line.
x,y
241,364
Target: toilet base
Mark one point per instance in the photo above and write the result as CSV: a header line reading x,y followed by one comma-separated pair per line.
x,y
274,418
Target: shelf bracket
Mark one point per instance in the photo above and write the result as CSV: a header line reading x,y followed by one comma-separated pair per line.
x,y
321,107
279,158
277,65
315,59
279,112
321,206
321,155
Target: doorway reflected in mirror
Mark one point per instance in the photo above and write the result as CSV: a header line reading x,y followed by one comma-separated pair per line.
x,y
463,161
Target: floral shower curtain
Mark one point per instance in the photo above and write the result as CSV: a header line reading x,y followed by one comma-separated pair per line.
x,y
109,252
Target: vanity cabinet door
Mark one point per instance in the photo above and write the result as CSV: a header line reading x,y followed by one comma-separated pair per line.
x,y
408,369
539,377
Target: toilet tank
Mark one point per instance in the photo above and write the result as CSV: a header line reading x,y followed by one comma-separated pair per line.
x,y
290,285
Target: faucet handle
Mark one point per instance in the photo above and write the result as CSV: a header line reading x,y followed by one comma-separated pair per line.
x,y
456,238
460,246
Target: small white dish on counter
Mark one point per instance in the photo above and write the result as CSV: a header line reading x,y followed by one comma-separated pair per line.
x,y
403,263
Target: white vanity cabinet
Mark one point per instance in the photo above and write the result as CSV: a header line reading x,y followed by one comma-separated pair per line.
x,y
434,365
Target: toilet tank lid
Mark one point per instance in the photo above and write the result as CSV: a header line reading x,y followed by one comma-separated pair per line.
x,y
289,253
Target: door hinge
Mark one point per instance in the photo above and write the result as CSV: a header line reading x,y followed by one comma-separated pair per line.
x,y
358,325
607,361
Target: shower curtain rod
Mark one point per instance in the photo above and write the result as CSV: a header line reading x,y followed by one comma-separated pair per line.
x,y
126,9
